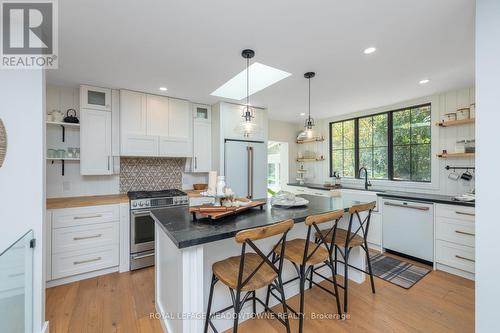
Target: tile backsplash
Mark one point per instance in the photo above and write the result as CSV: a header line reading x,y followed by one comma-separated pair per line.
x,y
150,174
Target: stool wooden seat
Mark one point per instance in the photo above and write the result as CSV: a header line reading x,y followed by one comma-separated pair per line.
x,y
251,271
341,237
227,272
295,251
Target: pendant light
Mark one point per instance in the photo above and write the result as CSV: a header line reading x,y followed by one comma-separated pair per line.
x,y
309,123
248,126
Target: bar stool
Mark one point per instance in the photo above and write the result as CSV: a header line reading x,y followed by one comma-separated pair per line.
x,y
304,254
249,272
346,240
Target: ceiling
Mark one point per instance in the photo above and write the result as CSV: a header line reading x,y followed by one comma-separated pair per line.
x,y
192,47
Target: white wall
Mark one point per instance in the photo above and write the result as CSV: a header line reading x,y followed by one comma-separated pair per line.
x,y
488,161
442,138
286,132
22,176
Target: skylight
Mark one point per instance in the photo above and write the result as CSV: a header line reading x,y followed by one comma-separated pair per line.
x,y
261,77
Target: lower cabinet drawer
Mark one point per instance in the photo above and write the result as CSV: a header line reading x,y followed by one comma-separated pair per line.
x,y
83,261
455,255
456,231
70,217
84,237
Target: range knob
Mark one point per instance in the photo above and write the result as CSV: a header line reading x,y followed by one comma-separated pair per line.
x,y
141,204
135,204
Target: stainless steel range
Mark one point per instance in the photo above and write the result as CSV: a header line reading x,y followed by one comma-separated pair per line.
x,y
142,225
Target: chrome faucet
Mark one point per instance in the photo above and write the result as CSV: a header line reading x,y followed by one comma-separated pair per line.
x,y
367,183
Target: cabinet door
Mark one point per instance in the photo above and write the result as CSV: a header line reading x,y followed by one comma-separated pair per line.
x,y
95,142
157,115
202,146
95,98
202,112
133,118
180,120
139,145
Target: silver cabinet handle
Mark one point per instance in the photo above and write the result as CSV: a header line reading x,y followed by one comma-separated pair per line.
x,y
143,256
108,163
464,233
464,213
86,261
195,163
142,214
87,217
250,171
406,206
463,258
87,237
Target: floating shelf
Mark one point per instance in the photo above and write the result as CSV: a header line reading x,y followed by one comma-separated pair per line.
x,y
300,142
60,123
456,155
309,159
455,122
62,159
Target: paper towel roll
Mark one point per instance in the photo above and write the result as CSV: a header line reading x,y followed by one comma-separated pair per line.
x,y
212,182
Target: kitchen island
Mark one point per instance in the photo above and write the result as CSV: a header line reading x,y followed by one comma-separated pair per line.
x,y
186,249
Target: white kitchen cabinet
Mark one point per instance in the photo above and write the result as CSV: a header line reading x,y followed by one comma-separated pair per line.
x,y
177,142
95,98
157,115
202,139
95,142
82,242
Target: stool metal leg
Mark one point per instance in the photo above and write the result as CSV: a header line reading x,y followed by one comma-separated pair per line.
x,y
302,285
336,288
369,267
346,277
283,303
237,310
212,285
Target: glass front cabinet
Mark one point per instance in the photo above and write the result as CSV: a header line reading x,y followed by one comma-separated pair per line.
x,y
95,98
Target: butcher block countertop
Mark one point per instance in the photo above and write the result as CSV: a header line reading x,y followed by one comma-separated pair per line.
x,y
95,200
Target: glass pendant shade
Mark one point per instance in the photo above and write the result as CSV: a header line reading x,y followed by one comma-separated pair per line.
x,y
248,127
309,124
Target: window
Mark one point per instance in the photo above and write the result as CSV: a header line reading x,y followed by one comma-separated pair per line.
x,y
394,145
343,147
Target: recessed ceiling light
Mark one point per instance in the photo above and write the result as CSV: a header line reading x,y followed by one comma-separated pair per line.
x,y
369,50
302,114
163,89
424,81
262,76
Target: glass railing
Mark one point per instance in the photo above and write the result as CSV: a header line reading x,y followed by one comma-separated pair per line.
x,y
16,284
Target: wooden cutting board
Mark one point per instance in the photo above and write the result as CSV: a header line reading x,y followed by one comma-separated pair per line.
x,y
217,212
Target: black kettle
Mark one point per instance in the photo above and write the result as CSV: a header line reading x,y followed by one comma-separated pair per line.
x,y
71,118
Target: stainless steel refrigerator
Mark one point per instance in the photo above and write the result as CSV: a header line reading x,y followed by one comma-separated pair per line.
x,y
245,165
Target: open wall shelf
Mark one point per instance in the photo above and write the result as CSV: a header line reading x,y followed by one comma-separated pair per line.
x,y
456,122
456,155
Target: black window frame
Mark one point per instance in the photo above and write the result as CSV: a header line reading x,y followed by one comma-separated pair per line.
x,y
390,144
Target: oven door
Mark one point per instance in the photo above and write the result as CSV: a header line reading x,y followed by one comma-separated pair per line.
x,y
142,231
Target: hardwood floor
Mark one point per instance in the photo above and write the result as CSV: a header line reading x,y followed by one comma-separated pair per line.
x,y
122,303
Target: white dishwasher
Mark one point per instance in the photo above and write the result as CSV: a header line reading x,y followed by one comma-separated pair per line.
x,y
408,228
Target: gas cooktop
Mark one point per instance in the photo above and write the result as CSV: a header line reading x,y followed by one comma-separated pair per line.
x,y
134,195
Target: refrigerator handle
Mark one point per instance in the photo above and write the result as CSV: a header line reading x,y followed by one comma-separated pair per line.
x,y
250,172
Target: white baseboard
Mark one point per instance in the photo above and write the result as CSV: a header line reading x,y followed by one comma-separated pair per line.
x,y
74,278
455,271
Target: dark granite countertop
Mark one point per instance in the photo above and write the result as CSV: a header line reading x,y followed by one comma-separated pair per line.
x,y
184,232
327,188
436,198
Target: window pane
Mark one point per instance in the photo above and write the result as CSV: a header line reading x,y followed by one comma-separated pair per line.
x,y
365,132
380,130
421,162
401,127
366,159
348,163
402,162
337,158
380,165
348,134
421,125
337,136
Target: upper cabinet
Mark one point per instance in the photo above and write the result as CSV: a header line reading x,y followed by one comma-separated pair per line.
x,y
95,142
202,143
95,98
153,125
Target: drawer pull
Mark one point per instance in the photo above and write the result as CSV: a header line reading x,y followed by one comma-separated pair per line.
x,y
86,261
465,233
463,258
87,237
87,217
406,206
464,213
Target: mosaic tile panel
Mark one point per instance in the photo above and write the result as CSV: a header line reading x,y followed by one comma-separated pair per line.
x,y
150,174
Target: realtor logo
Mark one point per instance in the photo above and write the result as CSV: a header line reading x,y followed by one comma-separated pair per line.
x,y
29,34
